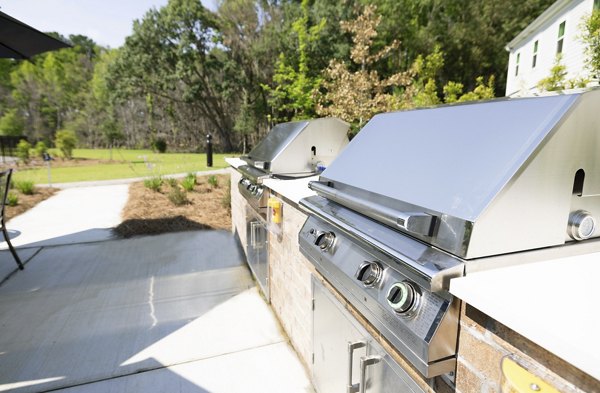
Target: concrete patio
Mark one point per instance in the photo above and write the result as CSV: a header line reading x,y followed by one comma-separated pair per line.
x,y
170,313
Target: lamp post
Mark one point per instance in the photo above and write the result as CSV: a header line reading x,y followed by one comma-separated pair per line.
x,y
209,152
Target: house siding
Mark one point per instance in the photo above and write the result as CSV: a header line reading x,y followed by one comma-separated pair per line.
x,y
525,83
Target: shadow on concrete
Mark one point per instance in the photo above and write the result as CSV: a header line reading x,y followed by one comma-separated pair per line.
x,y
87,236
79,312
135,227
12,233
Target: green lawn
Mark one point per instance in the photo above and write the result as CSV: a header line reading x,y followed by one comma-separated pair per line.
x,y
124,164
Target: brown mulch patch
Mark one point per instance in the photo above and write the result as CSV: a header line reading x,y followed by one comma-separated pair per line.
x,y
26,202
150,212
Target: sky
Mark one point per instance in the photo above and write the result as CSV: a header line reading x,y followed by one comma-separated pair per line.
x,y
107,22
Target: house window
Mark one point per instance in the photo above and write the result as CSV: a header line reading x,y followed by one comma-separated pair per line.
x,y
535,50
517,66
561,38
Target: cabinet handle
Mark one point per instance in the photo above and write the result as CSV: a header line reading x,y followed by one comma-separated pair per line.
x,y
253,229
353,388
364,363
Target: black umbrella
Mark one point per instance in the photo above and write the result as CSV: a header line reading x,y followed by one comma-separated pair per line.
x,y
20,41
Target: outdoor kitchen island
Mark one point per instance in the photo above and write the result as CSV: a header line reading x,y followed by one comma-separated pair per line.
x,y
483,342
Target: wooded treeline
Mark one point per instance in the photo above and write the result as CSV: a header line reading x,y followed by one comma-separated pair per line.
x,y
186,71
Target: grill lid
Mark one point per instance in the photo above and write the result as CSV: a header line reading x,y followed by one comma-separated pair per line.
x,y
452,159
297,147
489,178
275,142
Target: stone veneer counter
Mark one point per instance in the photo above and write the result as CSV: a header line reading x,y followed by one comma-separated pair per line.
x,y
552,303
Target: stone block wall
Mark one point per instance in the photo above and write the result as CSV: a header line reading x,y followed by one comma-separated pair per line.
x,y
290,277
482,344
238,208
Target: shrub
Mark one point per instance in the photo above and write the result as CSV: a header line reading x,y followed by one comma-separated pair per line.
x,y
22,152
65,141
177,196
25,186
172,182
213,181
40,148
192,177
12,199
188,183
226,201
154,183
159,145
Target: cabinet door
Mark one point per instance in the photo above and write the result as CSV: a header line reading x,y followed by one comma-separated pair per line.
x,y
334,361
383,375
257,250
344,350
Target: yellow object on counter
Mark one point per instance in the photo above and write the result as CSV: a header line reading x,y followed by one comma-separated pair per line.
x,y
517,379
274,205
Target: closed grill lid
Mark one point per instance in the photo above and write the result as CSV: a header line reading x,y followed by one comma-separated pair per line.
x,y
452,159
478,179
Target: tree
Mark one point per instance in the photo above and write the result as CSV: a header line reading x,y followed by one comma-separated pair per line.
x,y
11,124
557,80
247,31
66,141
355,96
293,94
22,150
172,56
591,39
471,34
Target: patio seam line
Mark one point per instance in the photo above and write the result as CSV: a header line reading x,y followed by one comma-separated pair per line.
x,y
142,371
24,263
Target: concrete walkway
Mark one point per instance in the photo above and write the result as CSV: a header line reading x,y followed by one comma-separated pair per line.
x,y
171,313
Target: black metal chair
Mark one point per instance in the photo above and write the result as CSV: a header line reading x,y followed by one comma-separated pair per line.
x,y
4,187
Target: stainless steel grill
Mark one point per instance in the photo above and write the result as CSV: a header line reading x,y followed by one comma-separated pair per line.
x,y
421,196
289,151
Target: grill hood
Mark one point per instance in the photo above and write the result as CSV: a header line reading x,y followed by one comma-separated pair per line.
x,y
295,148
477,179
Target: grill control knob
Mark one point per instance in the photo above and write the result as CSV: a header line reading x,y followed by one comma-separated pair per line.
x,y
369,273
325,240
403,297
582,225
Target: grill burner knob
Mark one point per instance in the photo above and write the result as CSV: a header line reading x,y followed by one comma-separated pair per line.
x,y
582,225
403,297
325,240
369,273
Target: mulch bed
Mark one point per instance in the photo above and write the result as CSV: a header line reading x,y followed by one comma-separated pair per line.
x,y
26,202
150,212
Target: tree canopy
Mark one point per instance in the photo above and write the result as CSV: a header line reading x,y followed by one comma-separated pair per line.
x,y
186,71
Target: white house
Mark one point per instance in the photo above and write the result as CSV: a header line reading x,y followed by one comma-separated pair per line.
x,y
534,50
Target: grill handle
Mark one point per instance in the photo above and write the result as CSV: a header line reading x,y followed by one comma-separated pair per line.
x,y
415,222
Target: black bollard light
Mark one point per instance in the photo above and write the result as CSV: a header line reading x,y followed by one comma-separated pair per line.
x,y
209,161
